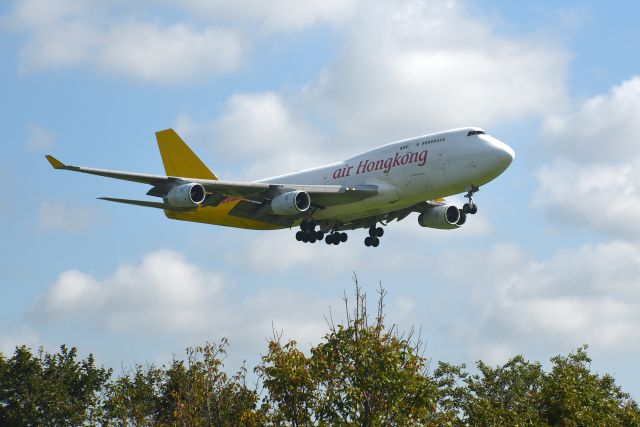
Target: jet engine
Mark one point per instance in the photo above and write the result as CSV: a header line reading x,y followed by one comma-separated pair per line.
x,y
291,203
444,217
186,195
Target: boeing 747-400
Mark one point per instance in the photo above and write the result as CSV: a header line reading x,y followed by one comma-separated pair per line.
x,y
367,190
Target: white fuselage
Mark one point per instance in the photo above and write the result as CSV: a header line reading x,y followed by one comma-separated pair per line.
x,y
409,171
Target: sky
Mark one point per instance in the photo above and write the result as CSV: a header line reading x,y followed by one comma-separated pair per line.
x,y
550,262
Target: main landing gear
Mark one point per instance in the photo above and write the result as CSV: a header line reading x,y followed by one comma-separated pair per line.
x,y
335,238
470,207
308,233
373,239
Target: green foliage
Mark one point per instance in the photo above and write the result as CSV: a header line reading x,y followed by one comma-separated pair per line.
x,y
195,392
50,389
360,373
574,396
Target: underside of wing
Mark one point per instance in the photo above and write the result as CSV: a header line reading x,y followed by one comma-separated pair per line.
x,y
147,203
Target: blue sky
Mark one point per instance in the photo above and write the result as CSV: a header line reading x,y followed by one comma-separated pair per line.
x,y
551,261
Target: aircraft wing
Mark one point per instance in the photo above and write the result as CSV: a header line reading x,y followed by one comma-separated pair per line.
x,y
258,194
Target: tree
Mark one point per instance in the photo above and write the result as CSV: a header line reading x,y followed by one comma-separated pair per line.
x,y
361,373
574,396
195,392
50,389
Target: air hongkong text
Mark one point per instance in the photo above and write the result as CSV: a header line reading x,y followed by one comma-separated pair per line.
x,y
385,164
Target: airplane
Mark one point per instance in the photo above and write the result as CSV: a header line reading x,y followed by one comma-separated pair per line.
x,y
367,190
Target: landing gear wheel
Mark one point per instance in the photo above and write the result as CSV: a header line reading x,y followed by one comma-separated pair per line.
x,y
372,231
329,239
367,241
379,232
375,242
319,235
312,238
343,237
470,207
299,236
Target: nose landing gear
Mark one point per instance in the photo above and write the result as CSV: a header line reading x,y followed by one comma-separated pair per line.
x,y
470,207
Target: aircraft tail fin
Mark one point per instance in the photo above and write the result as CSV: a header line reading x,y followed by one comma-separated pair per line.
x,y
179,159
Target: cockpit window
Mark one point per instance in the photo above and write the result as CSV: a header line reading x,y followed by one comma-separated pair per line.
x,y
475,132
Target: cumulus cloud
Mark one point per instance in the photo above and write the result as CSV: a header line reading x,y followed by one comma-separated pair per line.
x,y
603,128
593,180
167,295
280,15
605,197
589,295
260,132
406,68
414,67
58,216
70,33
163,292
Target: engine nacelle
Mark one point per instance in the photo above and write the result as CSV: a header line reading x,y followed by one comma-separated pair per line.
x,y
291,203
444,217
186,195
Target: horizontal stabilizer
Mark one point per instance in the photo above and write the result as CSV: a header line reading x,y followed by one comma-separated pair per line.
x,y
146,203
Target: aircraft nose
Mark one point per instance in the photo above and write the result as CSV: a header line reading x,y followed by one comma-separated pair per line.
x,y
501,154
506,154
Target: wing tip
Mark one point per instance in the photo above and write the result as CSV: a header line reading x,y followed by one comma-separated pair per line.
x,y
55,163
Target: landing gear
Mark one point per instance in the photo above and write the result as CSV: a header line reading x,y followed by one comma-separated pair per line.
x,y
335,238
371,241
308,233
470,207
374,236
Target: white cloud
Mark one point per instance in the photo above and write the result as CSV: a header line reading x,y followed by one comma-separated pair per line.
x,y
593,180
261,132
166,295
603,128
280,15
77,33
605,197
414,67
589,295
58,216
406,68
39,139
163,292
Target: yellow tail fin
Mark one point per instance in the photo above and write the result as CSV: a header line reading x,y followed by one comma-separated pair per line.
x,y
179,159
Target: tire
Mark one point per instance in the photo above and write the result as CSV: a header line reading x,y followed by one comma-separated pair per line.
x,y
319,235
312,238
473,209
375,242
380,231
328,240
299,235
305,239
466,208
343,237
367,241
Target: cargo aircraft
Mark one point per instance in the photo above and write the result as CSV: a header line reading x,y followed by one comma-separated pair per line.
x,y
367,190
